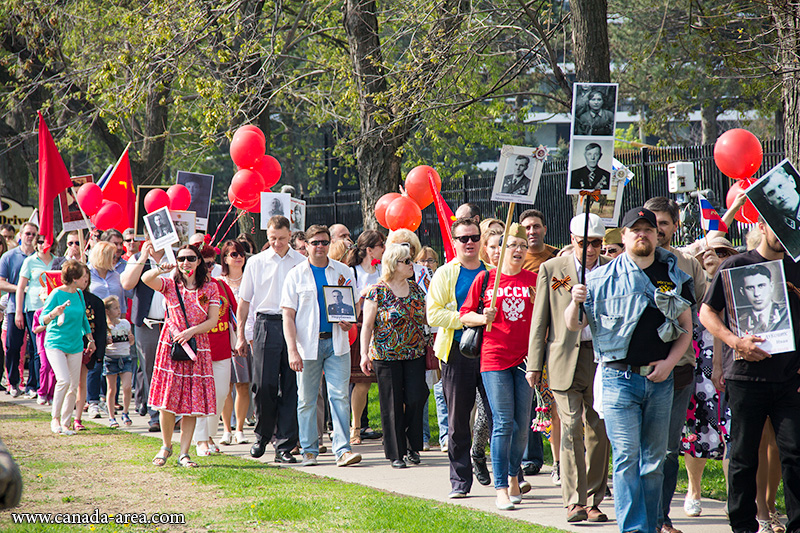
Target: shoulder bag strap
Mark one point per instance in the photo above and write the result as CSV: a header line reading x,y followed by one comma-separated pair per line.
x,y
183,308
483,291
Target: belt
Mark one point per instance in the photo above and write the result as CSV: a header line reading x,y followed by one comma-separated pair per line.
x,y
587,344
641,370
267,316
325,335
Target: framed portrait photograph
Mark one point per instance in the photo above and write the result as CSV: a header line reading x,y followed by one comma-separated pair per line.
x,y
518,174
297,220
590,164
594,109
184,222
200,187
141,212
776,197
339,303
758,304
71,218
609,207
275,203
161,229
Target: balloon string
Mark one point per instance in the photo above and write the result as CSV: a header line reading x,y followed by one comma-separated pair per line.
x,y
218,227
252,225
242,212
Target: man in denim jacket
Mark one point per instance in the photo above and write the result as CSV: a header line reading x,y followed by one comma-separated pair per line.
x,y
638,308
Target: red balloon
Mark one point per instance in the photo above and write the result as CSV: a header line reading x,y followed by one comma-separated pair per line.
x,y
90,198
179,197
240,203
352,334
108,216
738,153
381,205
270,168
748,213
250,127
418,185
246,186
155,200
246,147
403,212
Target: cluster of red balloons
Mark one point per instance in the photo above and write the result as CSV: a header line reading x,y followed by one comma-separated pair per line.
x,y
176,198
395,211
738,155
104,214
256,171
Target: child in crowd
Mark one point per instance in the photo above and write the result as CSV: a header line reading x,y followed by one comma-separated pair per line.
x,y
118,360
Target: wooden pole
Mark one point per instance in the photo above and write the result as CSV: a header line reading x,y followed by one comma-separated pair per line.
x,y
502,257
588,200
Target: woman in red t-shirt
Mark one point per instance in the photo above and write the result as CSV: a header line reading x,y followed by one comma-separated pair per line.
x,y
503,354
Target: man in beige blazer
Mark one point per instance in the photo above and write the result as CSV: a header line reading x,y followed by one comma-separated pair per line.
x,y
570,370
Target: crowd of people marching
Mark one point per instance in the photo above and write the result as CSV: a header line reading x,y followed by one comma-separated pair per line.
x,y
639,359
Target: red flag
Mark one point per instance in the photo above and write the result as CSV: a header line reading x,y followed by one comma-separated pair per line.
x,y
119,188
446,218
53,179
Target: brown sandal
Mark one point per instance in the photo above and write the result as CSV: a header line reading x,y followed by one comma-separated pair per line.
x,y
355,435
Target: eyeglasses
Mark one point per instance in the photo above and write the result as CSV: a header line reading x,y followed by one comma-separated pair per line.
x,y
130,240
235,255
30,233
190,258
594,243
210,264
466,238
405,261
319,243
73,243
429,261
722,253
519,246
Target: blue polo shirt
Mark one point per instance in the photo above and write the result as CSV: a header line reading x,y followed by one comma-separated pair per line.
x,y
10,266
320,280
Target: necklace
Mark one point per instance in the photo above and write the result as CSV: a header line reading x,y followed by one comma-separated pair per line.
x,y
234,279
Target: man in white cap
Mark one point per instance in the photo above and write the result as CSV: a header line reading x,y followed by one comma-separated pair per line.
x,y
571,368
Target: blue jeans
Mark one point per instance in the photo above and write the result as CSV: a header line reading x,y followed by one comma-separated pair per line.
x,y
680,404
94,383
337,379
441,412
635,410
510,401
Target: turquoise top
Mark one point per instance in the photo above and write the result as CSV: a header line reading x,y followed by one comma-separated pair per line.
x,y
68,337
32,268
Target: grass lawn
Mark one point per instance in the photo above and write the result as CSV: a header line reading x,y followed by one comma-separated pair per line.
x,y
110,470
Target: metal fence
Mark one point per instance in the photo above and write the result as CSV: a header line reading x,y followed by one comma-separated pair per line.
x,y
648,165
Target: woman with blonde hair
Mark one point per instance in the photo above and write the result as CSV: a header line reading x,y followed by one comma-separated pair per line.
x,y
422,276
490,246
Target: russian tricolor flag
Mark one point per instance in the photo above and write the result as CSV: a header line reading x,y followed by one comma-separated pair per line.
x,y
709,217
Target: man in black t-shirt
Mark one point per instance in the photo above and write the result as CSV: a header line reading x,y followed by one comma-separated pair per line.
x,y
759,385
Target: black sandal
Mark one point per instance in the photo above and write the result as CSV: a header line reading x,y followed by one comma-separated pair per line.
x,y
185,461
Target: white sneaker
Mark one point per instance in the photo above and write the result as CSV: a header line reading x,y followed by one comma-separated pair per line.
x,y
14,392
41,400
764,526
239,438
309,459
226,438
66,431
691,507
55,426
555,475
31,395
94,411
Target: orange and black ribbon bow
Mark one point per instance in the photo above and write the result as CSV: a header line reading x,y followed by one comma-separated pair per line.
x,y
557,283
594,195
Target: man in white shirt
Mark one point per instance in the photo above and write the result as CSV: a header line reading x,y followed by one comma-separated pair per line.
x,y
274,383
318,346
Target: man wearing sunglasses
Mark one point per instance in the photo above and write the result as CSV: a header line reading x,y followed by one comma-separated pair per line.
x,y
460,376
667,215
10,266
318,347
131,246
274,383
570,368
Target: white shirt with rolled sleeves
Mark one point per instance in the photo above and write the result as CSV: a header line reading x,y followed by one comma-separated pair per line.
x,y
300,294
263,277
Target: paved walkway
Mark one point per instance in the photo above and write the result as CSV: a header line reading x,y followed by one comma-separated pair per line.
x,y
431,480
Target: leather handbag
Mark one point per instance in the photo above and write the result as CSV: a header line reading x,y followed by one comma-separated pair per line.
x,y
178,353
472,336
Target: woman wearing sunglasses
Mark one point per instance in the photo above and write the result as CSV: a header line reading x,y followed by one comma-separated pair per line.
x,y
184,388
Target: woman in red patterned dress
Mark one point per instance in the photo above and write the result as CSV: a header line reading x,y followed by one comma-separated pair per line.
x,y
184,388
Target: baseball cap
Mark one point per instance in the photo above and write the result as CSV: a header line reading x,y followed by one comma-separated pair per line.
x,y
636,214
596,226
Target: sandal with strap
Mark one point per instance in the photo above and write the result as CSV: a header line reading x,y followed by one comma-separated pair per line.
x,y
355,435
161,460
126,419
185,461
77,426
112,423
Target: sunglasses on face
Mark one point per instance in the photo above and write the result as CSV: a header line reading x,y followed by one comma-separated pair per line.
x,y
235,255
29,233
130,240
464,239
73,243
40,241
405,261
189,258
319,243
595,243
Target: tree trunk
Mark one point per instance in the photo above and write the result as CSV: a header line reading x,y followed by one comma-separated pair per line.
x,y
590,40
708,122
786,15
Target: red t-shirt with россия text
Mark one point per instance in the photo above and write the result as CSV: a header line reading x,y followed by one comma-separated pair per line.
x,y
506,345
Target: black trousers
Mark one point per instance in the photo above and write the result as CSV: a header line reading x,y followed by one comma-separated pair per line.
x,y
460,378
402,393
274,385
751,403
